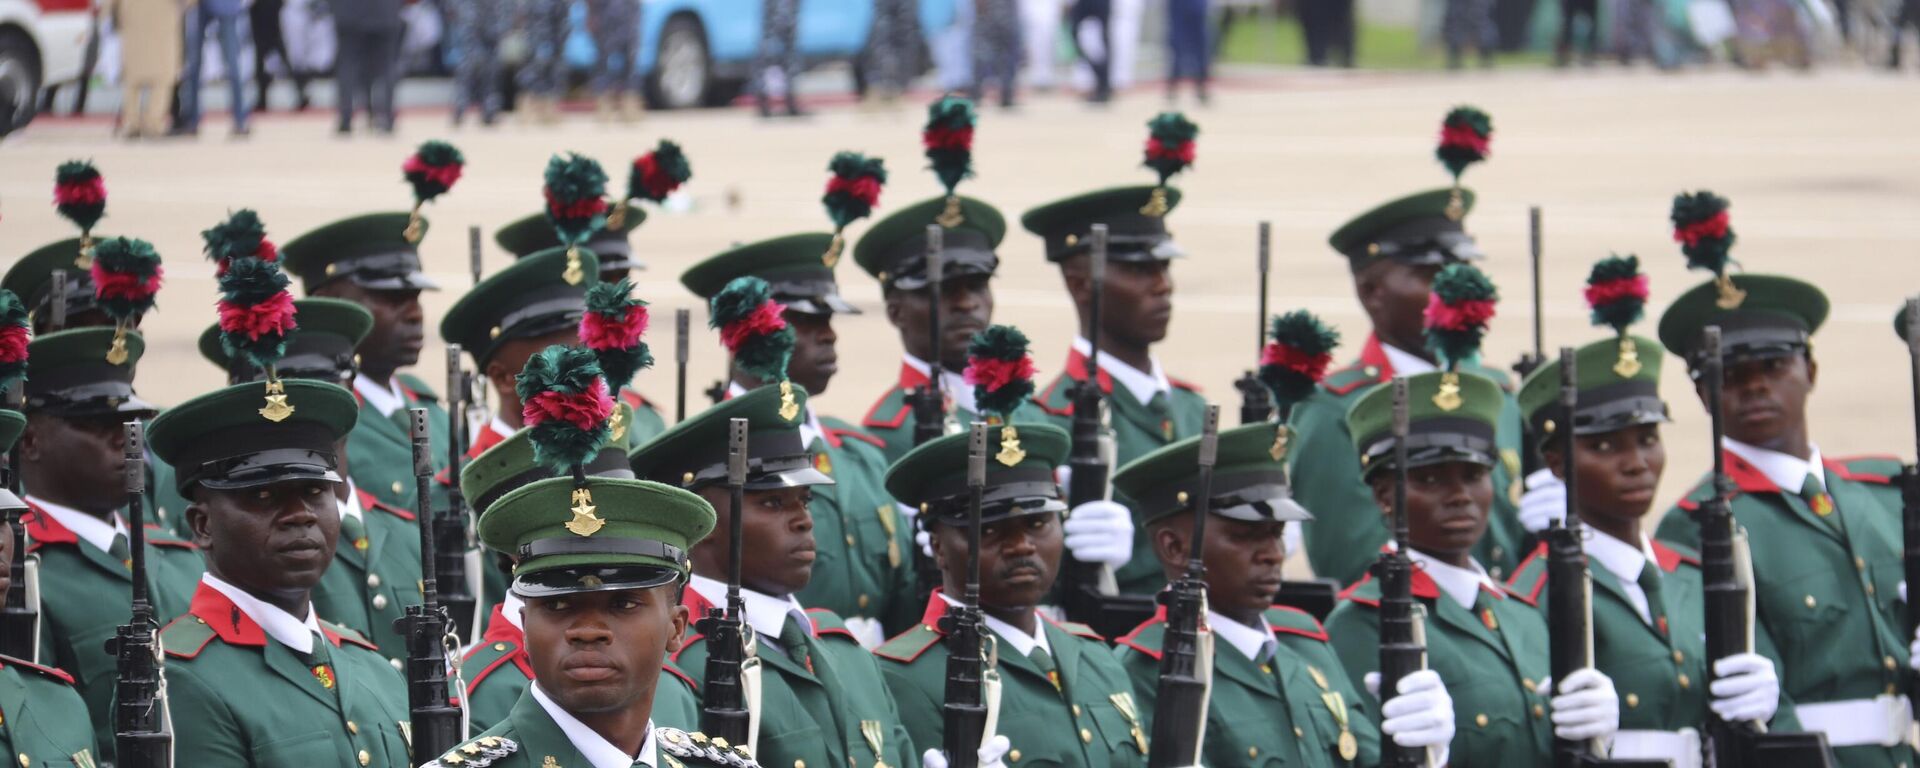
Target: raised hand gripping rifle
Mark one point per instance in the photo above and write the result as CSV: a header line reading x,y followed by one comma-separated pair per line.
x,y
142,735
967,715
1256,403
1403,634
1910,474
20,617
452,540
426,627
1186,657
732,682
1726,568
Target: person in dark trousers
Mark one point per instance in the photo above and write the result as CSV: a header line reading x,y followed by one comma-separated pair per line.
x,y
779,49
1098,12
1909,16
264,17
223,18
1188,55
1571,11
996,48
366,60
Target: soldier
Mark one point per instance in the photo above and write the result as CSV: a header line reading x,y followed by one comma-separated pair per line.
x,y
369,260
821,702
264,512
1475,629
76,407
31,278
477,27
508,317
615,25
870,580
1064,699
56,727
1394,251
542,78
1274,670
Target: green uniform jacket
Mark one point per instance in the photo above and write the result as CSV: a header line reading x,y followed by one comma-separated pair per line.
x,y
1829,599
43,721
1271,714
86,596
1491,661
815,712
380,450
1137,430
647,421
239,698
1346,531
373,580
872,574
165,506
498,672
891,417
1659,669
529,738
1091,720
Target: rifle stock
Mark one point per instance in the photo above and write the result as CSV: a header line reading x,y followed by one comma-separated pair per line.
x,y
963,714
20,617
450,530
725,713
1403,648
426,627
1180,709
1569,584
142,737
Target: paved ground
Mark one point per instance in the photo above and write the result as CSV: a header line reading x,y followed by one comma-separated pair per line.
x,y
1824,172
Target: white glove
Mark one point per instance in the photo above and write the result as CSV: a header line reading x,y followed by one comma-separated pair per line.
x,y
1421,716
1100,532
1913,651
866,630
911,514
990,755
1587,707
1747,688
1544,502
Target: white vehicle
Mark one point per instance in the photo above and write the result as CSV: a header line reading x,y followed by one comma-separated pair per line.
x,y
42,42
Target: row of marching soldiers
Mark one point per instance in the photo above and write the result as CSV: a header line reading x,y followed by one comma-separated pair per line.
x,y
982,572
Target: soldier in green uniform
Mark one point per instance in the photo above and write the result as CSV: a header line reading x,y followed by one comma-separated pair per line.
x,y
1394,251
614,247
1826,548
822,702
865,572
1276,680
43,720
76,408
254,677
1649,622
1064,699
369,260
508,317
376,570
1488,645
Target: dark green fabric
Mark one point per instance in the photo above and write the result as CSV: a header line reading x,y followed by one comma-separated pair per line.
x,y
770,259
380,450
891,420
899,231
496,682
1770,299
626,509
45,720
367,589
872,575
1596,365
1430,208
538,742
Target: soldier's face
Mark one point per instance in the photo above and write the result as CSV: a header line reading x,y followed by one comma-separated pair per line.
x,y
399,325
814,357
274,540
966,309
1136,298
1447,507
1617,471
1243,560
1019,558
77,461
1394,296
777,550
600,652
1764,402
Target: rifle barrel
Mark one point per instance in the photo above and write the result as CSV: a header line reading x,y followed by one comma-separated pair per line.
x,y
1534,249
1263,264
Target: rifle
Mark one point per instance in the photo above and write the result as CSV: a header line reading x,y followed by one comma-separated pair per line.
x,y
1186,658
1910,474
929,403
1403,642
1089,594
728,712
57,304
142,737
474,253
479,396
965,715
1726,569
451,541
20,618
682,321
1256,403
1530,460
427,628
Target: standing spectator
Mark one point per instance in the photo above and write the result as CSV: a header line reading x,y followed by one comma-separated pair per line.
x,y
150,46
996,48
543,77
615,25
1040,35
223,18
366,60
264,17
1123,39
1909,16
779,50
1187,49
1638,32
1571,12
891,58
1328,28
1091,22
478,29
1468,24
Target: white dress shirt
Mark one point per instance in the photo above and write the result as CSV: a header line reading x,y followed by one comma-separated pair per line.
x,y
1252,642
290,631
501,427
510,609
88,528
1626,562
1406,363
351,507
386,399
765,613
1786,472
952,383
1143,385
809,430
1461,585
1012,635
598,751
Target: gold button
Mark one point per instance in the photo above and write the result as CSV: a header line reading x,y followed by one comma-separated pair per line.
x,y
397,487
1633,700
864,600
1527,684
1373,371
379,601
1253,751
1685,682
1889,663
849,539
24,760
1299,734
1811,602
1869,589
1086,736
1076,710
364,758
1679,658
1014,756
352,727
1266,668
799,764
1539,711
1860,563
397,666
1480,719
499,646
373,580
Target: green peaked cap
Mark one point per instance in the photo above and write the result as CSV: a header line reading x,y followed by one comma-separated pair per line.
x,y
31,279
640,536
320,348
1450,417
1132,234
509,464
532,234
1416,229
12,423
933,476
1618,380
1249,481
693,454
790,264
529,299
70,374
1773,316
223,439
371,250
894,249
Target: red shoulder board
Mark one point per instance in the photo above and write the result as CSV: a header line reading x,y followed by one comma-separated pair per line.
x,y
173,544
1669,558
186,636
1183,384
1338,385
1843,468
53,672
1159,617
875,419
1077,629
675,671
826,622
908,645
517,656
857,435
1047,394
1352,592
338,634
1531,593
1296,622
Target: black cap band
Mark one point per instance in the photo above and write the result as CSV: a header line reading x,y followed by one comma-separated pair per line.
x,y
257,454
1754,336
776,459
1233,495
1435,441
811,293
380,271
963,252
85,389
569,581
1605,409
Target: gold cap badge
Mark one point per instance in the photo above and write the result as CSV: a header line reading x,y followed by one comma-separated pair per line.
x,y
584,522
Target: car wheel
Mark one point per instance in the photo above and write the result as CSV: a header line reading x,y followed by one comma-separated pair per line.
x,y
19,81
682,71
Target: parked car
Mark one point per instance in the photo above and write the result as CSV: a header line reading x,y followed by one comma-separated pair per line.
x,y
700,52
42,43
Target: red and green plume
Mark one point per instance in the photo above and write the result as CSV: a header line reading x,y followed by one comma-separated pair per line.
x,y
567,407
1617,292
241,236
658,173
1465,135
1298,351
80,194
948,138
126,277
431,170
1170,138
854,189
1000,370
576,192
15,334
752,328
1457,313
612,327
1704,230
256,311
